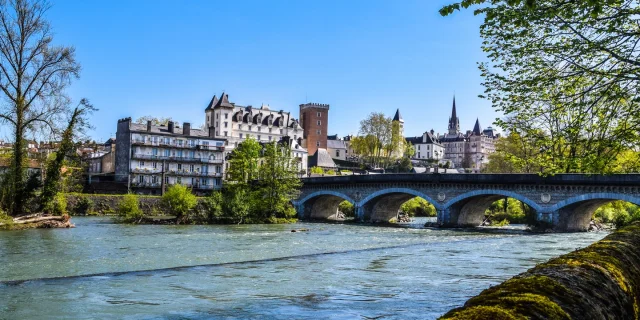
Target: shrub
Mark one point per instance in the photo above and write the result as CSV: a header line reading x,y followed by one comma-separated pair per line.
x,y
129,209
179,201
5,218
418,207
317,170
83,206
59,205
211,207
331,172
347,208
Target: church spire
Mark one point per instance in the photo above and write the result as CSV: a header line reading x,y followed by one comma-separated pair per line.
x,y
454,122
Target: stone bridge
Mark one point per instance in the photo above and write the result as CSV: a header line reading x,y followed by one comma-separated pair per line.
x,y
567,201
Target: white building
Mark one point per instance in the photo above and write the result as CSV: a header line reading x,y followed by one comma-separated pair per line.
x,y
146,153
337,148
235,123
427,147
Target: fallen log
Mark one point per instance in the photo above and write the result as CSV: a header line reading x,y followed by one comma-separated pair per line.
x,y
38,221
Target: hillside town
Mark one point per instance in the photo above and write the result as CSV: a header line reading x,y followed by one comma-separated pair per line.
x,y
145,156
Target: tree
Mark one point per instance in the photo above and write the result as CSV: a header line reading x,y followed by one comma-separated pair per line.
x,y
279,182
179,201
33,76
155,121
243,161
565,73
77,123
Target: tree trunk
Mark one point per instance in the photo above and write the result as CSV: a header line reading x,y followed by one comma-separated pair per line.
x,y
18,169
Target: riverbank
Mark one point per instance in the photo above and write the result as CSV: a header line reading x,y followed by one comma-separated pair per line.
x,y
597,282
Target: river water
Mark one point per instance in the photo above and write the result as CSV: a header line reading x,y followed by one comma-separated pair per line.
x,y
339,271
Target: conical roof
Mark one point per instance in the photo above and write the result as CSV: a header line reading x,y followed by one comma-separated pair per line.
x,y
224,101
476,128
398,117
212,104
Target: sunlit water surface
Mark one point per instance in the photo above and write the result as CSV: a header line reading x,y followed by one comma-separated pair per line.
x,y
337,271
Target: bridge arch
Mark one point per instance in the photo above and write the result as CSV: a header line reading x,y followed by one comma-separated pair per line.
x,y
574,214
320,204
468,209
382,205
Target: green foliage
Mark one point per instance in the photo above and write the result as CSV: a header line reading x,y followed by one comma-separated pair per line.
x,y
238,202
5,218
331,172
511,210
316,170
57,206
564,74
212,208
83,206
179,201
347,209
379,141
418,207
619,213
243,161
129,209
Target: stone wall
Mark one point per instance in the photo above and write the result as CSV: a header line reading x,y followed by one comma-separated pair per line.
x,y
601,281
107,203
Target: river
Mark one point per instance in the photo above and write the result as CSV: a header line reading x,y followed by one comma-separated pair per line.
x,y
338,271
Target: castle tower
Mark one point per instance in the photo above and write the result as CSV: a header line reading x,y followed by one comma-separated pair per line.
x,y
398,133
454,122
314,118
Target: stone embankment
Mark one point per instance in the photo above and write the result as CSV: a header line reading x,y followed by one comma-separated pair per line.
x,y
601,281
106,204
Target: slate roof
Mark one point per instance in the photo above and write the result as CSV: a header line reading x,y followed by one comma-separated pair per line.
x,y
321,159
336,144
213,103
398,117
476,128
224,101
332,137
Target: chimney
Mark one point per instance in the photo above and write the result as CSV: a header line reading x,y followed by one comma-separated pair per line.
x,y
148,125
186,128
170,126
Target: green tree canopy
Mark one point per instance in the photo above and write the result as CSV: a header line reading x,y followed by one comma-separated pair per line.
x,y
565,75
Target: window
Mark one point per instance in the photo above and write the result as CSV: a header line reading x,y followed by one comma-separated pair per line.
x,y
140,179
226,134
418,154
241,136
226,115
155,165
281,131
295,137
319,122
418,147
208,119
337,153
179,166
249,128
205,143
191,168
318,132
269,138
179,180
317,143
270,130
225,124
142,163
154,179
166,180
217,116
319,114
258,137
204,181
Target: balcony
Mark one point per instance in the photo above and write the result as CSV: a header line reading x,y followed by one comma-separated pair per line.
x,y
140,142
210,148
193,173
142,156
145,184
146,170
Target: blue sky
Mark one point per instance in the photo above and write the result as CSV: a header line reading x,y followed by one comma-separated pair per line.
x,y
168,58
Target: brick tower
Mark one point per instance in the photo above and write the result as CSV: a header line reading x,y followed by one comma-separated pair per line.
x,y
314,118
